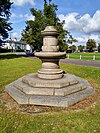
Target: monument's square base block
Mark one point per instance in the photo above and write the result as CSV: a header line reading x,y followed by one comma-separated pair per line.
x,y
31,90
50,86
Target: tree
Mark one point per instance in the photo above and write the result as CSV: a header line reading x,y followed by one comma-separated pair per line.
x,y
98,47
91,44
5,26
73,48
80,48
47,16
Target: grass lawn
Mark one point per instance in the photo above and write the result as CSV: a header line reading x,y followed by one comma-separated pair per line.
x,y
85,119
85,56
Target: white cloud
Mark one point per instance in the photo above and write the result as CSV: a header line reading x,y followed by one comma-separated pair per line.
x,y
29,17
15,35
23,16
85,23
83,39
93,24
22,2
70,20
13,15
95,37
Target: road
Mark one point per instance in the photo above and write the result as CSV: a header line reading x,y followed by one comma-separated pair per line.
x,y
71,61
77,62
81,62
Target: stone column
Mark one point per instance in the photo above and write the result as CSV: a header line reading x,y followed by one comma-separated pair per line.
x,y
50,55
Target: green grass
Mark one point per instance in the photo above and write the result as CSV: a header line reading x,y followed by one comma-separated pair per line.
x,y
12,69
86,120
8,56
61,122
85,56
90,73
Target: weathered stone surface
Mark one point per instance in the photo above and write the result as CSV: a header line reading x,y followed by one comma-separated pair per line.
x,y
50,41
34,81
70,89
50,55
66,101
27,89
24,93
61,101
58,101
16,94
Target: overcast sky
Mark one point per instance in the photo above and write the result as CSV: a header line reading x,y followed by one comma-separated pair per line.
x,y
82,17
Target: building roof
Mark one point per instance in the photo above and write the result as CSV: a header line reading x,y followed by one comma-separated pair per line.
x,y
17,42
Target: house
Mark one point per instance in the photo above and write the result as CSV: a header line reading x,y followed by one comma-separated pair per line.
x,y
16,45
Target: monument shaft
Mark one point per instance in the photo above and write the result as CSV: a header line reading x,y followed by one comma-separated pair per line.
x,y
50,55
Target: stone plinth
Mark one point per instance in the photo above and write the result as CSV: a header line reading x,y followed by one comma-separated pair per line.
x,y
50,86
63,92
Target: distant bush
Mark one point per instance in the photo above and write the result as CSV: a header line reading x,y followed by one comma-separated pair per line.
x,y
19,50
4,50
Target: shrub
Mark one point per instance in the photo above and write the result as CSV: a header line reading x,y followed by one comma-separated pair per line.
x,y
4,50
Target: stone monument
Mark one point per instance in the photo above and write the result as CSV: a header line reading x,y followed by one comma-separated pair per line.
x,y
50,86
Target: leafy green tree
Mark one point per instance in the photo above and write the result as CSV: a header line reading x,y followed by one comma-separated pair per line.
x,y
5,26
73,48
80,47
91,44
43,18
99,47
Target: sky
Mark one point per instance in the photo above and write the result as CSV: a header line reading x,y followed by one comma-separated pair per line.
x,y
82,17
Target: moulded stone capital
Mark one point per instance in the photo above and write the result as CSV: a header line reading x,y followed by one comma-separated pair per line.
x,y
49,31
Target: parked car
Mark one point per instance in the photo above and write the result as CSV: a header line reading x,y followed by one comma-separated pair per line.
x,y
29,52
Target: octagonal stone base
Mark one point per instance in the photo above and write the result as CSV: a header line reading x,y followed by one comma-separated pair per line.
x,y
63,92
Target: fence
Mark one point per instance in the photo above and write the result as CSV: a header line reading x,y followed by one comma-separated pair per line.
x,y
83,57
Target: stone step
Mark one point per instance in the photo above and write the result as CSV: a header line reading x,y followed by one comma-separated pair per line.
x,y
58,101
16,94
34,81
29,90
70,89
61,101
19,84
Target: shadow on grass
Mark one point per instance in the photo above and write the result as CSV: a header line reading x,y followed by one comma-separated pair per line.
x,y
9,56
